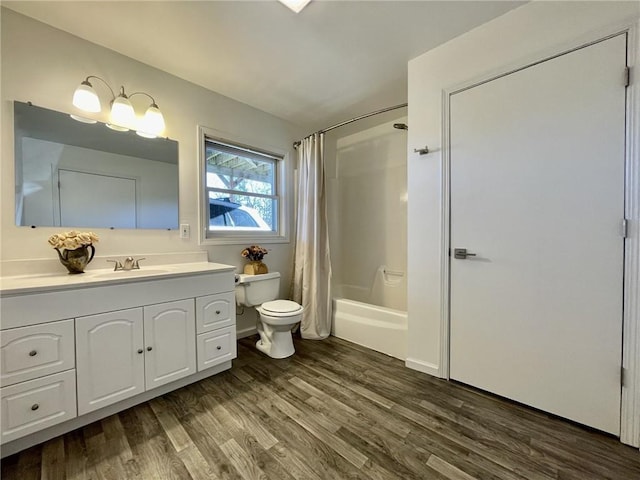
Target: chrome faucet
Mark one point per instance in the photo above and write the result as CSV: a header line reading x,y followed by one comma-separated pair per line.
x,y
130,263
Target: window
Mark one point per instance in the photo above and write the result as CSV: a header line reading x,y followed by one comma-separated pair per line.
x,y
242,192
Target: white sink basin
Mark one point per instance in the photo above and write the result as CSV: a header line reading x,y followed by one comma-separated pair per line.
x,y
143,272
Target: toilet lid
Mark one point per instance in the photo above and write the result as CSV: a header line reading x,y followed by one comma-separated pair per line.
x,y
281,306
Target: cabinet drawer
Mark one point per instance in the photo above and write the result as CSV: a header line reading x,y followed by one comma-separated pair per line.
x,y
216,347
31,406
36,351
215,311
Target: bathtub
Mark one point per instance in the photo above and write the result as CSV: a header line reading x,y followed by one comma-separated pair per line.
x,y
379,328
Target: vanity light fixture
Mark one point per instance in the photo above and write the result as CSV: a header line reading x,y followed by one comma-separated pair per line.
x,y
123,115
295,5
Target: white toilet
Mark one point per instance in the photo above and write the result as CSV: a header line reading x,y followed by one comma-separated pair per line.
x,y
277,317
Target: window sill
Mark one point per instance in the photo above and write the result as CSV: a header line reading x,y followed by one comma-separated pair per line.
x,y
236,239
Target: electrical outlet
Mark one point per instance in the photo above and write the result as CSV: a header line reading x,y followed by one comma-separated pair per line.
x,y
185,230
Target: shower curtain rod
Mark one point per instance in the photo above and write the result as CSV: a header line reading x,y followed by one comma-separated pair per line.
x,y
355,119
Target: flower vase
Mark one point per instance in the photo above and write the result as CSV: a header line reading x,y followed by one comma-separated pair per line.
x,y
76,260
256,267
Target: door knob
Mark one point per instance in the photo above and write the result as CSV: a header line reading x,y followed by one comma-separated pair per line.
x,y
462,254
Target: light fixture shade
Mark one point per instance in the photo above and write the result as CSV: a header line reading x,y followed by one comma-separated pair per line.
x,y
152,124
122,113
86,98
145,134
83,119
295,5
116,127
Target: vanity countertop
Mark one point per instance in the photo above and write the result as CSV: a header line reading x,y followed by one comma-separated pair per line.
x,y
46,282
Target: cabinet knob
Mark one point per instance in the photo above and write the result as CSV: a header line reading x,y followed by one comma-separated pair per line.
x,y
149,349
35,406
217,312
218,347
140,350
33,353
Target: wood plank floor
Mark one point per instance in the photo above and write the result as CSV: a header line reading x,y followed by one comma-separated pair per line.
x,y
333,411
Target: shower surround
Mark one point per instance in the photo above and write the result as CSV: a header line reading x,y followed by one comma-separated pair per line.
x,y
367,206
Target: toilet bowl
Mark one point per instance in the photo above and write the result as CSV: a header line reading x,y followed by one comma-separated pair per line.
x,y
276,317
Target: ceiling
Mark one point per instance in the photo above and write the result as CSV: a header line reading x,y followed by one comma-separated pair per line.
x,y
332,61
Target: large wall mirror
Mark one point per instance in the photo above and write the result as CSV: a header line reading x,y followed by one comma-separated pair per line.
x,y
76,174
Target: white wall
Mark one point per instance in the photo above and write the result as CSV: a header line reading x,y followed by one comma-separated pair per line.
x,y
44,65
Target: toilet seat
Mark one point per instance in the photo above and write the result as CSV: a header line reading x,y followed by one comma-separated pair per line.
x,y
281,308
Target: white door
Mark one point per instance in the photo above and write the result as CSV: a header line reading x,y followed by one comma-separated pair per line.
x,y
537,194
94,200
109,358
170,342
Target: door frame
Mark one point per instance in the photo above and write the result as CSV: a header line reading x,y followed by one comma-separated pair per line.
x,y
630,404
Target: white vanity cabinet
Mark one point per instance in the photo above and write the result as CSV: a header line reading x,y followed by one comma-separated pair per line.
x,y
78,351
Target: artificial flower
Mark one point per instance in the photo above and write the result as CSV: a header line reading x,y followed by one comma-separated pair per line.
x,y
72,240
254,252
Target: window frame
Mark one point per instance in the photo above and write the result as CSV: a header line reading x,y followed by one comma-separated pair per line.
x,y
231,237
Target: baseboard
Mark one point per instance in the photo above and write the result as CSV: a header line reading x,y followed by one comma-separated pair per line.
x,y
246,332
424,367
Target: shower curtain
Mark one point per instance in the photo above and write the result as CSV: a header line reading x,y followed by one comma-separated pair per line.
x,y
312,266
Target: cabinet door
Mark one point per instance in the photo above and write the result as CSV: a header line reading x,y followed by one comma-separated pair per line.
x,y
110,360
215,311
170,342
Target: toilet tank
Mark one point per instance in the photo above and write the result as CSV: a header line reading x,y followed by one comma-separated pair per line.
x,y
252,290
